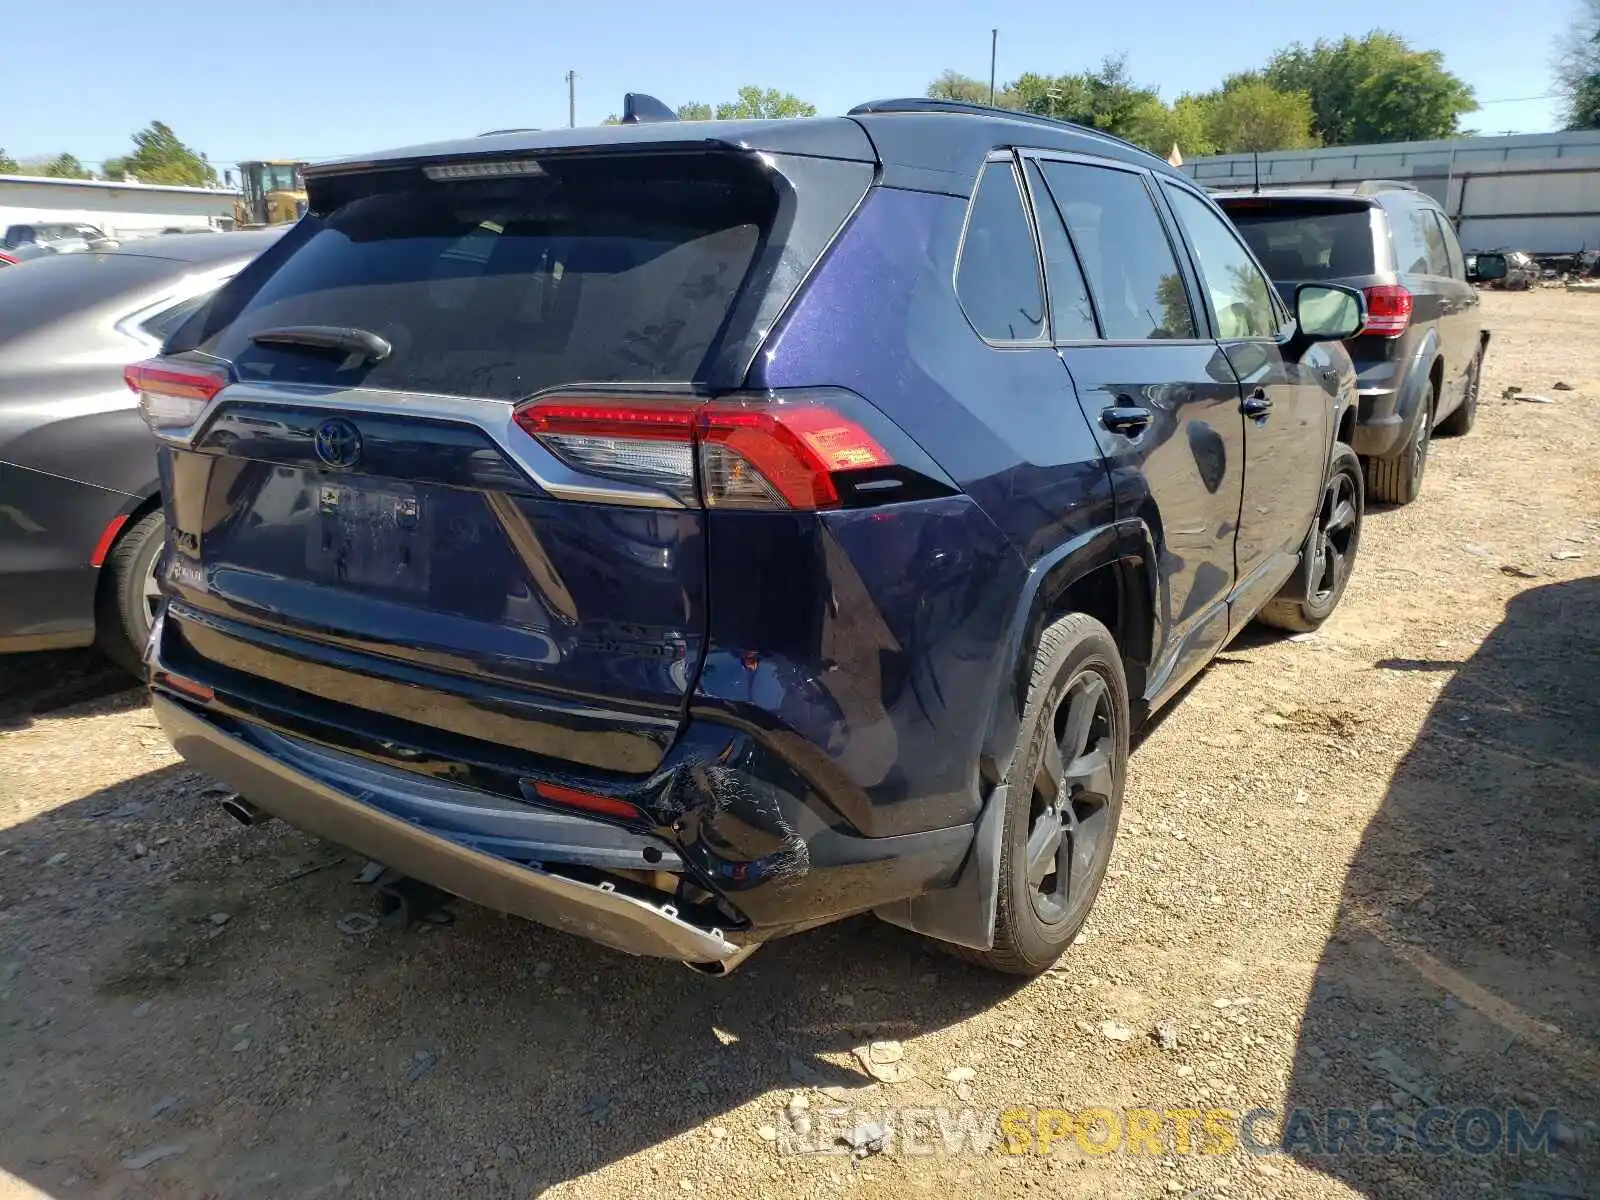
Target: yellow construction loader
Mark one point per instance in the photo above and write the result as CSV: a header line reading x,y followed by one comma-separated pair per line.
x,y
274,193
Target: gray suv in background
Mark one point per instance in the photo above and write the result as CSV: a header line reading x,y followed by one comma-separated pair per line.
x,y
1420,355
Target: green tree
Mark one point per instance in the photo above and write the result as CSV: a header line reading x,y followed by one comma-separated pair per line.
x,y
1372,89
1254,115
1578,68
65,166
1106,98
159,157
952,85
1161,128
8,165
1583,109
754,104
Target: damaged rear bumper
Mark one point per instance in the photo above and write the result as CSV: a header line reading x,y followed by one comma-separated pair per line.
x,y
353,802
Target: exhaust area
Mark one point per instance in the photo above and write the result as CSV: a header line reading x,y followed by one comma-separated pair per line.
x,y
726,966
243,811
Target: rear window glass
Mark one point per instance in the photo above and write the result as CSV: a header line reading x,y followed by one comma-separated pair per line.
x,y
1300,242
622,269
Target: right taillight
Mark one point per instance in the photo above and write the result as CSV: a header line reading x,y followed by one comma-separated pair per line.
x,y
172,395
1388,310
770,451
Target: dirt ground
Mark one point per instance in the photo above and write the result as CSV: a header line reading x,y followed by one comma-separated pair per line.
x,y
1360,868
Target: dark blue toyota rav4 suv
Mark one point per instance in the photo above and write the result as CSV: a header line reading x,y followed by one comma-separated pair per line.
x,y
684,534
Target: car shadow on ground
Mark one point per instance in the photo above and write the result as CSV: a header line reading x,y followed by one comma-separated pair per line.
x,y
35,684
181,1014
1464,969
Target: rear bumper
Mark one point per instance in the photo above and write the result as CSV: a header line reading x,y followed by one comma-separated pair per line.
x,y
337,797
757,842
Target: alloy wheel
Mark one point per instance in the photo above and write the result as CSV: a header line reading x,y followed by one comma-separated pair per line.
x,y
1069,826
150,593
1419,448
1336,531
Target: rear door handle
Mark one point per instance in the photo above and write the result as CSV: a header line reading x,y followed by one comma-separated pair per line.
x,y
1128,421
1256,404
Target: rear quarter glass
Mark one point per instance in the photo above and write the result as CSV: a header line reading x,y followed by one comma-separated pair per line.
x,y
615,269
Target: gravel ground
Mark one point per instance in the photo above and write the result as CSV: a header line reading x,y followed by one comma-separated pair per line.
x,y
1356,869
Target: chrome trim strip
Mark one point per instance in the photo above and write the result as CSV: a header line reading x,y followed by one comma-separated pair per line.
x,y
153,304
493,417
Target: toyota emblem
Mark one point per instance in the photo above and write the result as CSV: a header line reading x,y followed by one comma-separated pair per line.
x,y
338,443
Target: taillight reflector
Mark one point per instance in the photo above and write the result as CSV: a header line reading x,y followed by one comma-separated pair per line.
x,y
752,452
1388,310
186,687
608,806
172,395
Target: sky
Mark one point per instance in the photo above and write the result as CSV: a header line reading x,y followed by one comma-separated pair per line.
x,y
308,80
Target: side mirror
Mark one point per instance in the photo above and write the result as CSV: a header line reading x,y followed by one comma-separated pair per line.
x,y
1329,312
1483,267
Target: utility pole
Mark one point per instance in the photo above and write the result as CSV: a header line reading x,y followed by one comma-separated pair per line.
x,y
994,45
572,99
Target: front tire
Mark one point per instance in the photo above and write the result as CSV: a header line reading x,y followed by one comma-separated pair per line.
x,y
1328,554
1064,797
128,596
1398,480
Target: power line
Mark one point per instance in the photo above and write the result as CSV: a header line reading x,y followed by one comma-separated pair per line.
x,y
1521,99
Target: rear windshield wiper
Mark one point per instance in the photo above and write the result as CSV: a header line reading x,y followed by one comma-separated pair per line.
x,y
361,345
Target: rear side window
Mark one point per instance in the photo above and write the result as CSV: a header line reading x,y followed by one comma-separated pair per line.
x,y
1418,248
997,279
1071,310
1452,247
602,269
1297,242
1438,253
1124,250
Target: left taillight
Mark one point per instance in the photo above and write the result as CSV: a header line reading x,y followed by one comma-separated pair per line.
x,y
172,395
770,451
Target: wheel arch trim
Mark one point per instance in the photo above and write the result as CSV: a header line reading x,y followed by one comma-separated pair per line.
x,y
1418,371
964,913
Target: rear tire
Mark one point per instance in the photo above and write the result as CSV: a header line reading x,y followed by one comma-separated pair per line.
x,y
1328,554
125,605
1461,421
1398,480
1064,798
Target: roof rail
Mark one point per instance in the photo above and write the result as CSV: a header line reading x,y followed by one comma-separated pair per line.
x,y
1371,187
925,104
516,129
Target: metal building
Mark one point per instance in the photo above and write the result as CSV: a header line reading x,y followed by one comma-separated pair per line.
x,y
123,210
1535,192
